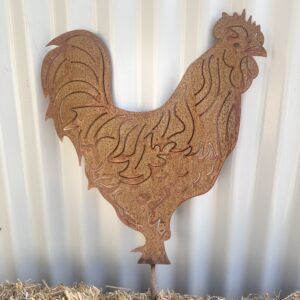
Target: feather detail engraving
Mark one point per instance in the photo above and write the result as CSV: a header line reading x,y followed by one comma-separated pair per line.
x,y
147,163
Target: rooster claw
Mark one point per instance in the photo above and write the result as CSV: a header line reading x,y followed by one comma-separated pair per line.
x,y
138,249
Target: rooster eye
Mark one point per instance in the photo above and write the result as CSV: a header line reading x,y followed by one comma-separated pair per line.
x,y
236,45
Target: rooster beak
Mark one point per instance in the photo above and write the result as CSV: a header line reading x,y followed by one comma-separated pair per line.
x,y
257,51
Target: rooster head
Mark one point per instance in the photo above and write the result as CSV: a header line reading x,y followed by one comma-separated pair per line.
x,y
241,34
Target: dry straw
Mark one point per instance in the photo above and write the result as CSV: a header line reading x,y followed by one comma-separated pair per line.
x,y
81,291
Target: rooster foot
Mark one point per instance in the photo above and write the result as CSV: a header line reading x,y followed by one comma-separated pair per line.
x,y
153,253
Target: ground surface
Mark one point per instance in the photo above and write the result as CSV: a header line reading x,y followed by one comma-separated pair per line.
x,y
81,291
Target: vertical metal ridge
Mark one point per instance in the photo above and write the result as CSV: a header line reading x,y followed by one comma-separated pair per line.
x,y
124,53
112,46
37,37
182,37
289,275
202,223
155,103
31,168
7,266
168,48
94,6
190,37
286,149
204,25
291,270
147,52
38,120
267,157
72,191
139,55
103,21
81,14
59,15
10,141
223,214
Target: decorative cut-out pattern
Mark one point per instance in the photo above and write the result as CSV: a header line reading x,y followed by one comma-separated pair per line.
x,y
147,163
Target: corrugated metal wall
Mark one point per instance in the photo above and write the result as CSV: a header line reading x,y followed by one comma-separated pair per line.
x,y
243,236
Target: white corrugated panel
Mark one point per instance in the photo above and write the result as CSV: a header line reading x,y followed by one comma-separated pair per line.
x,y
241,237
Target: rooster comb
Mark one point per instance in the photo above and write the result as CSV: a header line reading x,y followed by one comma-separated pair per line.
x,y
228,21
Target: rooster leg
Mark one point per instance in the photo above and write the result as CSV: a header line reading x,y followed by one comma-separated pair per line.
x,y
153,252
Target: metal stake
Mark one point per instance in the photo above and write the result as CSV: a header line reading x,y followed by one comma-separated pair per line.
x,y
153,287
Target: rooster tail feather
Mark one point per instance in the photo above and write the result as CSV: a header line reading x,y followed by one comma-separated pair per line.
x,y
76,75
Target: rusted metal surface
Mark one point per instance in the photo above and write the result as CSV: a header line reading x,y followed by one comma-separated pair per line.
x,y
147,163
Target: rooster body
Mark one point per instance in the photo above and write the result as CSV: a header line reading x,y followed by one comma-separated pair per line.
x,y
147,163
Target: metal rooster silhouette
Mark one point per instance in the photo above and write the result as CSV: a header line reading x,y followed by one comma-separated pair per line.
x,y
147,163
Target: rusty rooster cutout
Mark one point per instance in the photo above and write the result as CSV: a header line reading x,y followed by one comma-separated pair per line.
x,y
147,163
